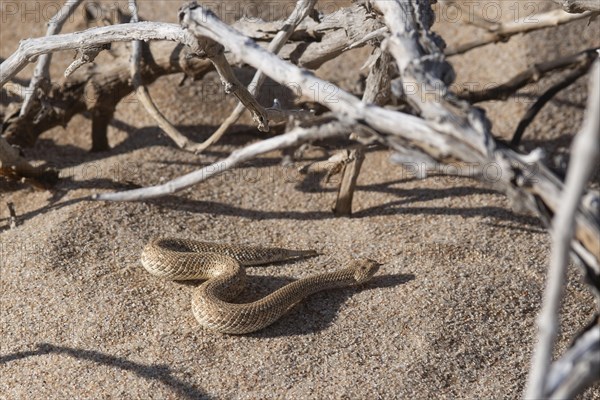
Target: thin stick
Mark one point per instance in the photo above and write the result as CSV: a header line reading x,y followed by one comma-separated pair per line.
x,y
319,130
42,68
376,92
579,6
532,74
143,94
584,154
303,8
523,25
548,95
350,173
12,215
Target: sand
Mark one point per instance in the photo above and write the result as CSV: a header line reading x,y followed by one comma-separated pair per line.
x,y
451,313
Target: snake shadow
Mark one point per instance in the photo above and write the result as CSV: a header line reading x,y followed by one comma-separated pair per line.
x,y
316,312
158,372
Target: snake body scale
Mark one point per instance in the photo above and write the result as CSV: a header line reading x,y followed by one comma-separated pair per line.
x,y
222,266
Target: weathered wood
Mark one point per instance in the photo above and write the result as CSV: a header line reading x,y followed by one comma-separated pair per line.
x,y
448,136
411,67
377,91
303,8
311,45
579,6
350,172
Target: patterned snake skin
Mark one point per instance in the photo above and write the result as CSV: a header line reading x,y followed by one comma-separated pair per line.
x,y
221,266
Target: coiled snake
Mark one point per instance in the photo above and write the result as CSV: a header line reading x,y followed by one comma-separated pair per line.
x,y
221,265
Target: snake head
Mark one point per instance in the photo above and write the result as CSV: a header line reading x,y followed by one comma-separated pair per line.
x,y
364,269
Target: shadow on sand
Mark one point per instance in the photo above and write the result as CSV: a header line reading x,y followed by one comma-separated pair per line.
x,y
158,372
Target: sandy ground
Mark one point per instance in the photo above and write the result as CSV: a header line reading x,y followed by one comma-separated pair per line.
x,y
451,313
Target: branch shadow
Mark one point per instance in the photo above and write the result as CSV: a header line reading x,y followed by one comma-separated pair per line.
x,y
218,208
51,206
70,155
60,190
400,206
159,372
390,208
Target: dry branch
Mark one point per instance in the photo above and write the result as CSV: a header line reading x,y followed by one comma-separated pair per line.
x,y
585,152
377,91
350,171
577,369
41,74
548,95
143,94
320,128
579,6
30,49
303,8
100,90
443,139
505,30
12,215
531,75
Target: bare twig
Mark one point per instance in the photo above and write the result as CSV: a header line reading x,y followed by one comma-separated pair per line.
x,y
531,75
579,6
41,74
215,52
523,25
86,54
332,166
350,172
303,8
143,94
548,95
320,128
585,153
12,215
312,44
